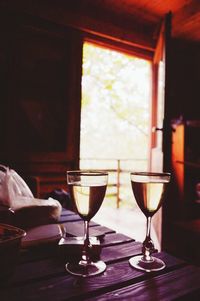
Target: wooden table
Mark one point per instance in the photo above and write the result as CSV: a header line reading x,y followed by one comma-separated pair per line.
x,y
41,274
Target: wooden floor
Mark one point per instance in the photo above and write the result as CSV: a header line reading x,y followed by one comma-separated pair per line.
x,y
129,221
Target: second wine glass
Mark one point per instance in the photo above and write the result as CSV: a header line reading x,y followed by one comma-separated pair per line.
x,y
149,190
87,190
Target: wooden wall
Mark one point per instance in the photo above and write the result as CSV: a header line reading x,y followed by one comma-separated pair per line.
x,y
40,74
184,97
185,79
180,210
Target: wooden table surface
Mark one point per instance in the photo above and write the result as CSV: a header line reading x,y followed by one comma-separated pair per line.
x,y
41,275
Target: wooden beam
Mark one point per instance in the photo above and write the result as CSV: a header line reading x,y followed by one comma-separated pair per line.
x,y
62,13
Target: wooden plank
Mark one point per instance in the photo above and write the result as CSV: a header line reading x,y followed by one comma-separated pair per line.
x,y
114,253
37,270
51,250
90,22
69,218
182,284
48,280
119,252
73,218
56,265
114,239
104,229
77,229
35,253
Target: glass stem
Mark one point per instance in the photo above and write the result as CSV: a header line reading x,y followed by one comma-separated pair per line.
x,y
85,254
148,246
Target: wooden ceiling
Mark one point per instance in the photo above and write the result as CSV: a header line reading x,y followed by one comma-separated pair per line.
x,y
130,21
144,16
148,13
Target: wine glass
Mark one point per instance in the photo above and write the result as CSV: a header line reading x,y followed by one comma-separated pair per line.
x,y
149,190
88,190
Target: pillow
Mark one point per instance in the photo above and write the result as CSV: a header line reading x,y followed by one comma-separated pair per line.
x,y
31,212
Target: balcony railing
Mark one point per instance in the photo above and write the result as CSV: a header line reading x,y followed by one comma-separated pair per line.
x,y
119,185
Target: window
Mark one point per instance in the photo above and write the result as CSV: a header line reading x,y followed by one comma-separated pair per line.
x,y
115,116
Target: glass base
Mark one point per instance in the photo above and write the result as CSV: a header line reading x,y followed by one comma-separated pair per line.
x,y
153,265
91,269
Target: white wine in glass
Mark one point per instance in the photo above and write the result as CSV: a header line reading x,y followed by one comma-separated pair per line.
x,y
88,190
149,190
